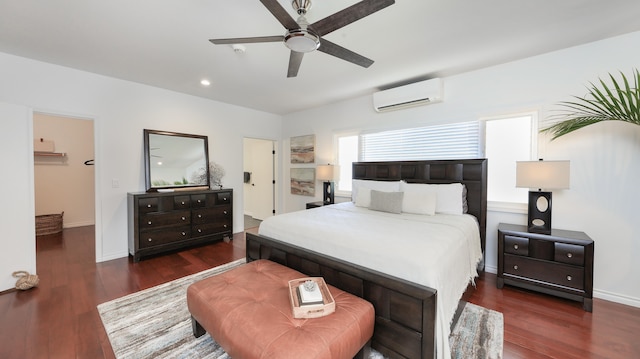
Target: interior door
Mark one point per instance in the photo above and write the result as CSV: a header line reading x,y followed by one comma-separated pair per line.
x,y
259,190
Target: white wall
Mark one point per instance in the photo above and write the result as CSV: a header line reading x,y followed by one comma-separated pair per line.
x,y
16,187
121,111
604,159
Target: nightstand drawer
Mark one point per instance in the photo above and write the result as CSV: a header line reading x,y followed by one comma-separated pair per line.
x,y
553,273
516,245
569,253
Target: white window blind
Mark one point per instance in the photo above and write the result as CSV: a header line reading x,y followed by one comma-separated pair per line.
x,y
457,140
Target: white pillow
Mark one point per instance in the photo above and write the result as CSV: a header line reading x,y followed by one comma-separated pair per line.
x,y
363,198
385,186
448,196
419,203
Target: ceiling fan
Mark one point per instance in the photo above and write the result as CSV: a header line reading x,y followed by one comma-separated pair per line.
x,y
302,37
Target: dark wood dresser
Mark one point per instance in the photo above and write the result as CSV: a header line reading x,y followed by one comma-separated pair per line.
x,y
560,264
162,222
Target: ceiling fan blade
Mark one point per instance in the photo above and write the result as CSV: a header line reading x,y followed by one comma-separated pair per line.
x,y
295,59
246,40
281,14
338,51
345,17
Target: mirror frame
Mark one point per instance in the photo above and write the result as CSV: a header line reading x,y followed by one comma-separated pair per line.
x,y
147,160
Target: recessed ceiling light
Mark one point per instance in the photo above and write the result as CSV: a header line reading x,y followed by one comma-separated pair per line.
x,y
205,82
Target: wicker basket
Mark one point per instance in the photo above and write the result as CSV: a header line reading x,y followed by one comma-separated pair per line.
x,y
49,224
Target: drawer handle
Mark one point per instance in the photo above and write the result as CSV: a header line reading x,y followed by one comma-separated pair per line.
x,y
515,246
182,203
225,212
515,267
149,223
199,230
224,199
184,234
148,206
569,277
225,226
149,239
199,216
569,255
183,218
199,201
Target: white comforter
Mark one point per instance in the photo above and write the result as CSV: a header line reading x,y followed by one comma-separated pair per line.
x,y
440,251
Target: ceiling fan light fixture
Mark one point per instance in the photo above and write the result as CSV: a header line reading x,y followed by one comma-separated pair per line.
x,y
301,40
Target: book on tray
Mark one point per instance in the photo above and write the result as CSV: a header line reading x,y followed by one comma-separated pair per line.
x,y
309,293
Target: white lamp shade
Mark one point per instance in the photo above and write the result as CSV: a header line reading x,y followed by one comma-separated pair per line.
x,y
328,173
542,174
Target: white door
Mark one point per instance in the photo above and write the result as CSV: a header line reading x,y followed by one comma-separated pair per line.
x,y
259,190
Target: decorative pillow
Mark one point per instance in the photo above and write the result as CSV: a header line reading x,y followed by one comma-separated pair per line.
x,y
386,201
419,203
386,186
363,198
448,196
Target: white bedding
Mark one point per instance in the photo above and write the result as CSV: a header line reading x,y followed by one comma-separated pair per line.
x,y
440,251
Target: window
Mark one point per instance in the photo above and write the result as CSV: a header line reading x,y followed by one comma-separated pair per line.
x,y
347,154
507,140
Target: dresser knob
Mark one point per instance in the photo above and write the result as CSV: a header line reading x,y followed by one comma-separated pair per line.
x,y
569,277
225,212
183,218
515,246
224,199
225,226
515,267
149,223
149,239
199,216
182,203
569,255
148,206
199,230
184,234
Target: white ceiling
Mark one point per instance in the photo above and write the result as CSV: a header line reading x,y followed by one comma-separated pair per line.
x,y
165,43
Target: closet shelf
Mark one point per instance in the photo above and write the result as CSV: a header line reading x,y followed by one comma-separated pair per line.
x,y
49,154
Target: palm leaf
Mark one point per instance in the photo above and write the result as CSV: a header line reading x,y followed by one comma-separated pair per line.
x,y
620,102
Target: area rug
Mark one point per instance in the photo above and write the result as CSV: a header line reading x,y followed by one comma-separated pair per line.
x,y
155,323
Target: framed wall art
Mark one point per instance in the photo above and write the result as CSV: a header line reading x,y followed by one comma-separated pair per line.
x,y
303,149
303,181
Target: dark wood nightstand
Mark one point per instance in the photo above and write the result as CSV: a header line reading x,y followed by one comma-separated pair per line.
x,y
559,264
315,204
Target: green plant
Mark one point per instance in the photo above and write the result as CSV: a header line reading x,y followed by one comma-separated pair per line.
x,y
619,103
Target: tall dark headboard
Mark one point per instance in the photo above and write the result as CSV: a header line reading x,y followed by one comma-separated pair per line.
x,y
472,173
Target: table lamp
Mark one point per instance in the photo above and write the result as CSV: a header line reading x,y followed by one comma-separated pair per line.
x,y
328,173
547,175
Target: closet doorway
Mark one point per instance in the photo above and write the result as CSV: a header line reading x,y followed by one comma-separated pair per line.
x,y
259,181
64,174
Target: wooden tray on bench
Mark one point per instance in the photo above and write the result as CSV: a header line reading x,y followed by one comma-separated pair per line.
x,y
315,310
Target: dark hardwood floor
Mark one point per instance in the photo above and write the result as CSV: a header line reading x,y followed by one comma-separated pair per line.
x,y
59,318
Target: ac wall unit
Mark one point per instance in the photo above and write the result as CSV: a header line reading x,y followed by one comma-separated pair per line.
x,y
415,94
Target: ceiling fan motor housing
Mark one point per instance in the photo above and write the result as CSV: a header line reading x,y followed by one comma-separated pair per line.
x,y
301,6
301,40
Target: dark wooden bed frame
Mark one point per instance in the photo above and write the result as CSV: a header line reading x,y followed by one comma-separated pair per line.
x,y
405,311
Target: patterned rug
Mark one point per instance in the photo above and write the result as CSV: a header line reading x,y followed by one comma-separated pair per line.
x,y
155,323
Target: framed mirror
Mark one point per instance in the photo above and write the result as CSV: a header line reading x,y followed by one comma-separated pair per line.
x,y
175,160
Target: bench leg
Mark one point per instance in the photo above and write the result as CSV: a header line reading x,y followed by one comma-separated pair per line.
x,y
198,330
364,352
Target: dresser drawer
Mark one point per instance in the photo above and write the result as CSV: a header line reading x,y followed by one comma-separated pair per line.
x,y
205,215
198,200
204,229
223,197
516,245
550,272
158,237
146,205
181,202
157,220
569,253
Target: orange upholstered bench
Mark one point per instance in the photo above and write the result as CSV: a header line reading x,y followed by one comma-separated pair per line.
x,y
247,311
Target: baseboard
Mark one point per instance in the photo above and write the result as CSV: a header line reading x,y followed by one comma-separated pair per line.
x,y
490,269
617,298
112,256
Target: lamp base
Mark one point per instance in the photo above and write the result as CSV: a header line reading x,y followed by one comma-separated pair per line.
x,y
328,187
539,220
